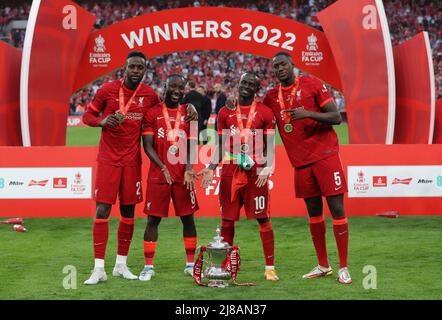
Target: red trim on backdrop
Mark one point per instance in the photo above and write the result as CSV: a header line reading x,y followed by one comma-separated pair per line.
x,y
61,49
413,92
10,128
437,137
360,56
283,203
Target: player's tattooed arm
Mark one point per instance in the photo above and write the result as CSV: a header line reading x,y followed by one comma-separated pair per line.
x,y
153,156
329,114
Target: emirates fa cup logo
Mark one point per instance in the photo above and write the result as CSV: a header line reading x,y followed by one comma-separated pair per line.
x,y
99,44
312,43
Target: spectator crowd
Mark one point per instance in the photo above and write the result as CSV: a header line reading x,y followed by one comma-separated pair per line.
x,y
219,70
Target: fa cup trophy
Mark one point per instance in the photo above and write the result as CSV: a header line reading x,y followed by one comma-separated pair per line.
x,y
223,263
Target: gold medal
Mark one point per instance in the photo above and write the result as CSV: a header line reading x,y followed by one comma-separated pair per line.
x,y
244,148
288,128
173,149
120,117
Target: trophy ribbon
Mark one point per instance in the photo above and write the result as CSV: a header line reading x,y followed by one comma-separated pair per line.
x,y
233,267
125,107
198,267
288,127
173,132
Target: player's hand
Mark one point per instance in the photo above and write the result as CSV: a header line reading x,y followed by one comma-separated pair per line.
x,y
110,121
263,176
298,113
167,175
207,175
191,113
189,179
231,102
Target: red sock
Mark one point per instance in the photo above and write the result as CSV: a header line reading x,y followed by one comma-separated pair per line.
x,y
100,236
149,252
317,230
125,233
228,231
190,246
340,228
268,242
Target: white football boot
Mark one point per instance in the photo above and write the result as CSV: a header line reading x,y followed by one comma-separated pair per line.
x,y
98,275
317,272
344,276
121,270
188,270
146,274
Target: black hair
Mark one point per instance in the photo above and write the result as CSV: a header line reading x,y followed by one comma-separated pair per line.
x,y
282,53
253,73
176,75
136,54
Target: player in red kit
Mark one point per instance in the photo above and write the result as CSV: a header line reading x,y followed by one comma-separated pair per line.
x,y
305,113
119,107
247,134
167,142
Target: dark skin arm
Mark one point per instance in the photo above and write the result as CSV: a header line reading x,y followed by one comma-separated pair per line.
x,y
153,156
189,174
208,172
191,113
329,114
264,173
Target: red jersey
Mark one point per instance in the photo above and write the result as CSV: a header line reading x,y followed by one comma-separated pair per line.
x,y
310,140
120,146
156,126
263,122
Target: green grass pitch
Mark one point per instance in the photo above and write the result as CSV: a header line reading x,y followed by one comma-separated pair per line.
x,y
404,251
86,136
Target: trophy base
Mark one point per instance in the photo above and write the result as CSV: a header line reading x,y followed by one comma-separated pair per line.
x,y
217,283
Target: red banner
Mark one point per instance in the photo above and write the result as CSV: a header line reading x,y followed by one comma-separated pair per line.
x,y
357,31
282,197
207,28
415,93
437,137
10,130
61,30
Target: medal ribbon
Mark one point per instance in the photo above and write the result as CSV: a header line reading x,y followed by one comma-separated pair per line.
x,y
243,134
285,115
174,131
125,107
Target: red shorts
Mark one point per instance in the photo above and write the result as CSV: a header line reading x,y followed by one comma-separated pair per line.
x,y
322,178
158,196
123,181
254,199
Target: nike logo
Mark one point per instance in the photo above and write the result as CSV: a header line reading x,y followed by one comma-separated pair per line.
x,y
258,212
342,233
232,115
336,189
158,118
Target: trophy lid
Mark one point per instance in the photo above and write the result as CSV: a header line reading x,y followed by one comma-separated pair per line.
x,y
218,242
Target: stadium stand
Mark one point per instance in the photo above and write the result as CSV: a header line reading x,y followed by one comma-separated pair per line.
x,y
406,18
